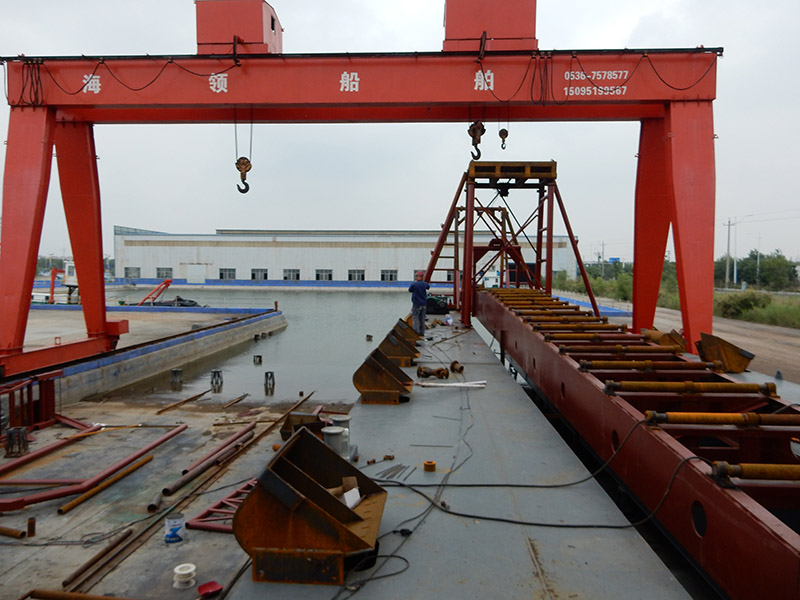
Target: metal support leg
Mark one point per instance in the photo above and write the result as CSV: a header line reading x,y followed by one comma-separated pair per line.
x,y
467,287
691,155
25,183
80,189
652,217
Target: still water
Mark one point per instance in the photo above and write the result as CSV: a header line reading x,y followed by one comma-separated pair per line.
x,y
323,345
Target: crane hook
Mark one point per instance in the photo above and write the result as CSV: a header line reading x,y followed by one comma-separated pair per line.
x,y
475,131
243,166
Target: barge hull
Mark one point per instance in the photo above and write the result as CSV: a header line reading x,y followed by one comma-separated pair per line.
x,y
738,543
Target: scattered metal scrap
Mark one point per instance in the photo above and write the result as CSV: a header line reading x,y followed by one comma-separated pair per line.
x,y
182,402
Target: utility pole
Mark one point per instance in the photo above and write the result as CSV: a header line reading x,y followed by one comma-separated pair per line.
x,y
728,254
758,261
603,264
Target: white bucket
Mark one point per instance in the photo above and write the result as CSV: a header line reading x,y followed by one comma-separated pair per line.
x,y
174,528
334,437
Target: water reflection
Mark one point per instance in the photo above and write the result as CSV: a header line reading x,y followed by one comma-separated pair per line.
x,y
324,343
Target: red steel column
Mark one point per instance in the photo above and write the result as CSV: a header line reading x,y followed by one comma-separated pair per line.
x,y
27,177
691,156
80,189
548,281
469,257
652,218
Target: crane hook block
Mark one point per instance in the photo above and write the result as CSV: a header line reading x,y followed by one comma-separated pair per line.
x,y
475,131
503,133
243,166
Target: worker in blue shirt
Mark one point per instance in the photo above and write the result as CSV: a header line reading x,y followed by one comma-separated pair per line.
x,y
419,302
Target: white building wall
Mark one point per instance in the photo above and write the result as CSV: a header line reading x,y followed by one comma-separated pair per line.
x,y
307,251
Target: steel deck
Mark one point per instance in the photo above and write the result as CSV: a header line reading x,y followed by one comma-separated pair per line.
x,y
494,435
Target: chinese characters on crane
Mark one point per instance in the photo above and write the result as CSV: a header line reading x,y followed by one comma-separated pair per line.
x,y
218,82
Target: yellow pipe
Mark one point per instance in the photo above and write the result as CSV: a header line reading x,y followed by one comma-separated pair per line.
x,y
703,418
756,471
619,349
101,486
688,387
665,365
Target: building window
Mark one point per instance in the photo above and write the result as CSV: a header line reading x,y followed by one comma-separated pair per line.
x,y
133,272
227,273
355,275
388,274
291,274
163,272
450,275
259,274
324,275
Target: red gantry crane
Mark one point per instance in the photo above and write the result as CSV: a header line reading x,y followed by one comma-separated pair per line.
x,y
490,69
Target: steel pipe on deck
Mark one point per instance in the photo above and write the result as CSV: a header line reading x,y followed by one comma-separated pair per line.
x,y
690,387
622,349
721,470
649,365
8,504
705,418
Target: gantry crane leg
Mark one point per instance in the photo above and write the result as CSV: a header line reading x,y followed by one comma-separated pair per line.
x,y
676,184
27,177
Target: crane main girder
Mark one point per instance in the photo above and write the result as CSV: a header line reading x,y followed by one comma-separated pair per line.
x,y
573,85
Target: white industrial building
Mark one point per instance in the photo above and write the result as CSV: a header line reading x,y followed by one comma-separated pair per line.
x,y
298,255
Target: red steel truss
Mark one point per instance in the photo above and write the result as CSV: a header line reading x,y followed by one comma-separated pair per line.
x,y
491,70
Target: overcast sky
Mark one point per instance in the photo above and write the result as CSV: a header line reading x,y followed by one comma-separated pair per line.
x,y
181,179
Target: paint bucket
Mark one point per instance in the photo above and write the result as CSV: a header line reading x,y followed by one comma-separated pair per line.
x,y
343,421
334,437
174,528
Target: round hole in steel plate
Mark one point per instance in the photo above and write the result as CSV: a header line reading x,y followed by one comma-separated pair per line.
x,y
699,521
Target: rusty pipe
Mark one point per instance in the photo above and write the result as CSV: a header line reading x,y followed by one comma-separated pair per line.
x,y
94,559
456,367
59,595
441,373
741,419
101,486
203,467
155,504
225,443
620,349
593,337
15,533
690,387
649,365
722,469
564,319
23,501
32,456
579,326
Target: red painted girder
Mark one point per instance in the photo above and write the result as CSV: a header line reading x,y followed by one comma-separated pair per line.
x,y
383,80
49,356
742,538
368,114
